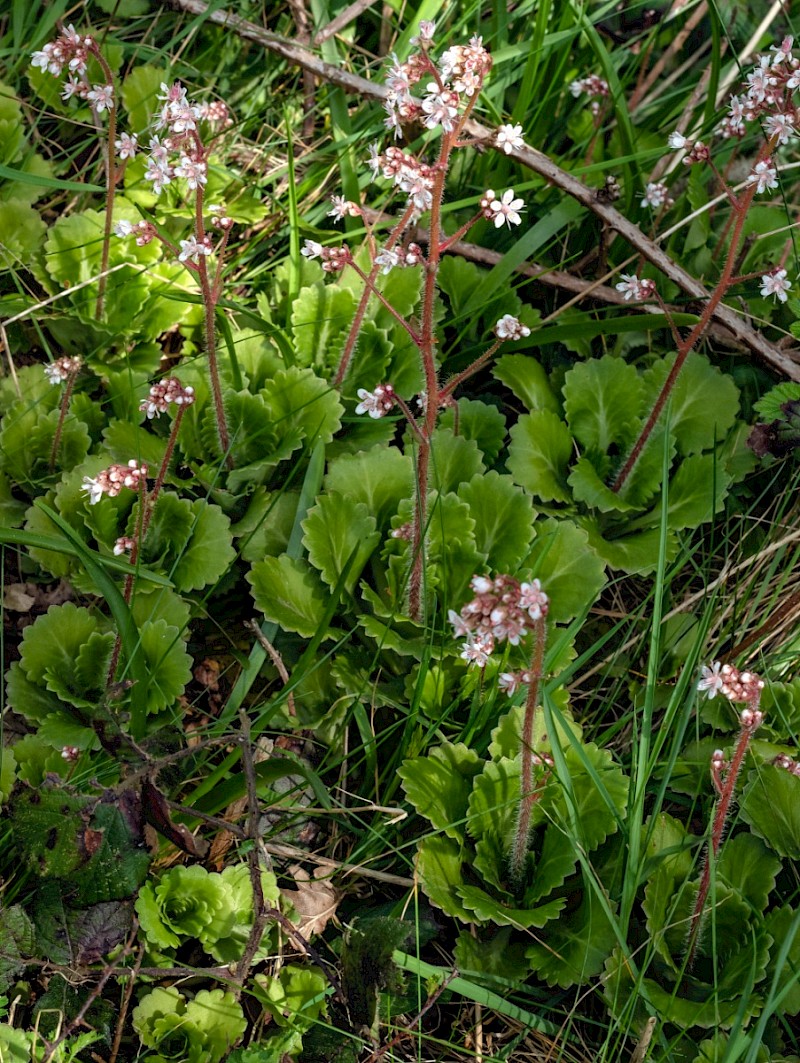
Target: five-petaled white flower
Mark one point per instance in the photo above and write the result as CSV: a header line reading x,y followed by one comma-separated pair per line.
x,y
506,209
101,97
764,176
126,145
776,283
511,328
192,248
712,682
509,137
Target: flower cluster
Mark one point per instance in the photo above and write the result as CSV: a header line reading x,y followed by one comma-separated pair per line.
x,y
511,328
390,257
409,175
503,211
726,679
334,259
656,195
376,403
144,231
500,611
69,50
62,369
783,760
169,390
72,51
635,288
182,152
123,545
461,73
592,85
110,481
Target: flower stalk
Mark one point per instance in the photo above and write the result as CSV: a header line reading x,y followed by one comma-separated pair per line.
x,y
737,687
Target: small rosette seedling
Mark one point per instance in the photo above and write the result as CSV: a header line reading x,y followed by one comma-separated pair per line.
x,y
215,909
201,1030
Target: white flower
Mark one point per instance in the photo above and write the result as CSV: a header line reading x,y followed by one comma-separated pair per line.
x,y
159,174
506,210
655,195
634,288
101,97
375,158
126,145
481,584
193,170
509,137
677,141
775,283
533,599
712,682
93,489
780,125
764,176
311,249
438,107
477,649
427,28
509,682
376,403
191,248
460,628
122,228
73,87
511,328
342,208
387,260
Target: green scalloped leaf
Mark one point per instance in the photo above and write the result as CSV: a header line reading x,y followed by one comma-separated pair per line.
x,y
124,440
602,402
439,785
588,487
288,592
51,644
595,808
380,478
778,924
576,946
494,800
33,701
166,662
84,686
209,552
321,319
526,378
479,421
333,531
494,952
768,407
635,554
301,401
73,251
139,94
26,442
771,805
454,460
538,457
190,541
571,572
23,232
503,516
487,909
747,866
702,406
12,510
697,491
439,861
